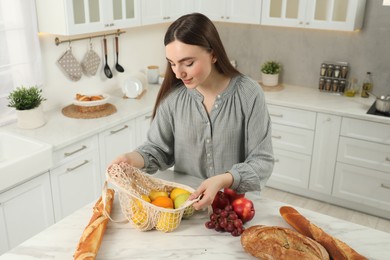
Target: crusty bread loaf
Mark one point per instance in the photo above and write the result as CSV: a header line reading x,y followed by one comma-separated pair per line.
x,y
92,236
336,248
272,242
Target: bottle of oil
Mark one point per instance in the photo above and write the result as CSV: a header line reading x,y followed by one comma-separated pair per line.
x,y
367,85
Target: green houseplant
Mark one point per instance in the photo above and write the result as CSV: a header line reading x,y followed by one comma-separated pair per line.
x,y
27,102
270,73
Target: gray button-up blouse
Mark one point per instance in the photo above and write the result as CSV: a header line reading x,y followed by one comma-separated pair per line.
x,y
235,137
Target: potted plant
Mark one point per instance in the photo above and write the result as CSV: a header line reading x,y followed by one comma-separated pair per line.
x,y
27,102
270,73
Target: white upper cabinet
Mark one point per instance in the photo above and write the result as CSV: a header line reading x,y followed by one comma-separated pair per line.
x,y
71,17
161,11
236,11
344,15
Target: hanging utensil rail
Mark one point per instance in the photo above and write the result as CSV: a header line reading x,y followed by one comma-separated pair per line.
x,y
58,41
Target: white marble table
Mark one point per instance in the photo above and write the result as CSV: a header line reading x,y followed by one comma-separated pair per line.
x,y
191,240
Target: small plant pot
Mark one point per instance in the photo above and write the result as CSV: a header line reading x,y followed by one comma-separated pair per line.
x,y
30,119
270,80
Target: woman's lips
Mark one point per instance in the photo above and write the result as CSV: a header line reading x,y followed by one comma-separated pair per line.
x,y
186,81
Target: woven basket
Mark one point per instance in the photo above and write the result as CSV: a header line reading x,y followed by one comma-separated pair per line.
x,y
132,183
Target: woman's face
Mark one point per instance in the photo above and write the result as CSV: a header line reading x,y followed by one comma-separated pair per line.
x,y
190,63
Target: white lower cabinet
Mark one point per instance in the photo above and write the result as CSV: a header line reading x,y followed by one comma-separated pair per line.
x,y
25,211
143,125
364,186
292,137
75,179
324,153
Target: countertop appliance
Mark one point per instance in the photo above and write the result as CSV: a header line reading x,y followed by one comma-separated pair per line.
x,y
373,111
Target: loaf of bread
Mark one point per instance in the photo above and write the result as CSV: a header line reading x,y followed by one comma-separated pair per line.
x,y
336,248
272,242
81,97
92,236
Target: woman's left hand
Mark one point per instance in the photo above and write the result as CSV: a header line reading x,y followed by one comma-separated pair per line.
x,y
209,188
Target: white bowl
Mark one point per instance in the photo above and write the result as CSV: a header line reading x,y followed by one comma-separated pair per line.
x,y
92,103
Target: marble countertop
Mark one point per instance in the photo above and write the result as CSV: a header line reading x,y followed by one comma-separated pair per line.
x,y
191,240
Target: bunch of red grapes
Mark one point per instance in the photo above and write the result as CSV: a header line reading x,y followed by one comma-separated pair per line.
x,y
225,220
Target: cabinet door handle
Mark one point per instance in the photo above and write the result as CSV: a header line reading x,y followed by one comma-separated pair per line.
x,y
388,159
277,115
148,117
116,131
276,160
75,151
385,186
78,166
277,136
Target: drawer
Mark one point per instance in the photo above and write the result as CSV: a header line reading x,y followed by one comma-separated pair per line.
x,y
292,138
74,150
364,154
362,185
365,130
292,117
291,168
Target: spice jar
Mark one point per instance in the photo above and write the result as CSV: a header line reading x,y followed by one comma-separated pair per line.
x,y
329,70
335,85
344,72
342,85
336,72
324,66
321,85
328,84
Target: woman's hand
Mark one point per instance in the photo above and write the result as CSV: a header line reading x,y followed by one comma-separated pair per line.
x,y
132,158
209,188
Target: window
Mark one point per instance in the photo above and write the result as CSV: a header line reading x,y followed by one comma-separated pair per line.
x,y
20,54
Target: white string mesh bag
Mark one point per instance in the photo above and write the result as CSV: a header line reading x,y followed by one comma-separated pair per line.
x,y
132,183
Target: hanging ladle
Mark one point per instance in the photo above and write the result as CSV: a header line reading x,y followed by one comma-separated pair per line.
x,y
118,67
107,69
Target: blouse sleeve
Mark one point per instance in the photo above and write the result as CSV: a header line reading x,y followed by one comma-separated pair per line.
x,y
253,173
157,151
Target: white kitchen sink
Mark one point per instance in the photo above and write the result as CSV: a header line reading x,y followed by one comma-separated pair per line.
x,y
22,158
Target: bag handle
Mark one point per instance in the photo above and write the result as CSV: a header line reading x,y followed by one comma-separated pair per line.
x,y
105,213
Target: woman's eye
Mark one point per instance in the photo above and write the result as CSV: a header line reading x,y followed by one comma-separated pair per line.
x,y
190,64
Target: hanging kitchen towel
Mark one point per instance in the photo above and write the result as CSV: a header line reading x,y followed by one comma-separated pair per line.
x,y
90,63
70,66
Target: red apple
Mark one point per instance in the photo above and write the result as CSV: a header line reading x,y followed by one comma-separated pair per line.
x,y
220,201
244,209
232,194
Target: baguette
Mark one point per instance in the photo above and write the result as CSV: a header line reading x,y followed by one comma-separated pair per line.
x,y
336,248
92,236
272,242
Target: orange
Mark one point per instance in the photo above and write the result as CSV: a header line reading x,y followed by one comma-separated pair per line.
x,y
164,202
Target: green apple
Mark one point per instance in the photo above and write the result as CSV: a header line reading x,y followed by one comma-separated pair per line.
x,y
179,200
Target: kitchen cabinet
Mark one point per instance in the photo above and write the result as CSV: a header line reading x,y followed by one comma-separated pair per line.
x,y
316,14
236,11
292,138
115,141
363,164
324,153
161,11
25,210
143,125
75,178
71,17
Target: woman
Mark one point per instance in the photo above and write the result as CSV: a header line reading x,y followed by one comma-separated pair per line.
x,y
209,120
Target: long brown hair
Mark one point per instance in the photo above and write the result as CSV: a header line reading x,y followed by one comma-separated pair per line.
x,y
194,29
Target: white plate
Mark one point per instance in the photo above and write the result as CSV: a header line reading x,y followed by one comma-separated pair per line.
x,y
92,103
132,87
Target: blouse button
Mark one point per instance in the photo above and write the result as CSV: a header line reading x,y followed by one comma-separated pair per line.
x,y
208,154
207,140
219,96
216,106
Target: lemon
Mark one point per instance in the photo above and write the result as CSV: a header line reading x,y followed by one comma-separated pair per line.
x,y
178,191
180,199
140,217
145,198
167,221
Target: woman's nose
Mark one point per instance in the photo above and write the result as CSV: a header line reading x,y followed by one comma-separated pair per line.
x,y
180,74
